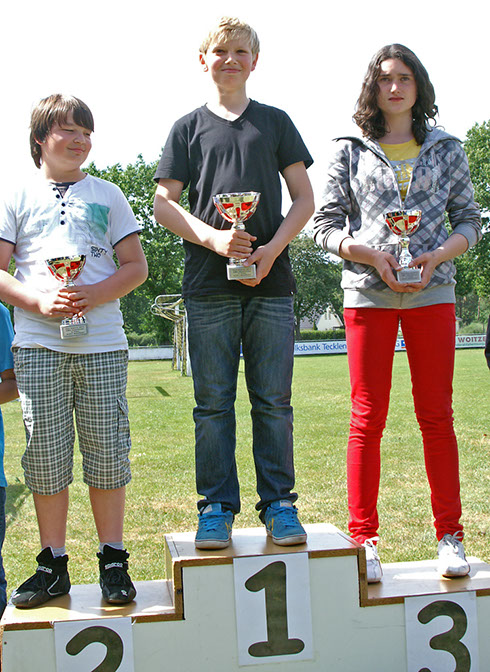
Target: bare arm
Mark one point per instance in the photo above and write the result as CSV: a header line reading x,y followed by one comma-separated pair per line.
x,y
8,386
132,272
301,210
168,213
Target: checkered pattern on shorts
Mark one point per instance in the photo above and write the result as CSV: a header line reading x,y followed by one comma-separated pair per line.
x,y
55,385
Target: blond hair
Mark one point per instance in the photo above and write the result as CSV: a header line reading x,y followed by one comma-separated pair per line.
x,y
230,28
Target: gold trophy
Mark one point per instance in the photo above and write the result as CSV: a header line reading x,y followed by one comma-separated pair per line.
x,y
66,270
237,208
403,223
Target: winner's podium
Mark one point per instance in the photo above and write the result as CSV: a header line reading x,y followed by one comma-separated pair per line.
x,y
265,607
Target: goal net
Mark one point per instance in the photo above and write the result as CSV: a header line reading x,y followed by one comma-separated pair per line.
x,y
171,307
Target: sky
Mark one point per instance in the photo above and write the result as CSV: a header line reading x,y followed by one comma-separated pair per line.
x,y
136,65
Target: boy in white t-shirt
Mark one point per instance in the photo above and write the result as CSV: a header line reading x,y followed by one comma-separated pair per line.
x,y
79,368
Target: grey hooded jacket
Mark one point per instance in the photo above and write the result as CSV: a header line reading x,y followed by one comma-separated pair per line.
x,y
362,186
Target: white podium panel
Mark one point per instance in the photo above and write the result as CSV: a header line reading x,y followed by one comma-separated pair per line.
x,y
273,608
442,633
105,645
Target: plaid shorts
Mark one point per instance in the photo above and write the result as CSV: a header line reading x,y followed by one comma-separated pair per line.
x,y
52,385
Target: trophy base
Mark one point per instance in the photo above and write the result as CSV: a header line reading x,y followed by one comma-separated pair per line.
x,y
409,275
73,327
239,272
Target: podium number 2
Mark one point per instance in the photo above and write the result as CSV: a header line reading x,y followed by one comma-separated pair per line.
x,y
111,640
272,580
450,640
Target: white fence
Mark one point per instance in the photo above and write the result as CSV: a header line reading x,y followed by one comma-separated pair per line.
x,y
305,347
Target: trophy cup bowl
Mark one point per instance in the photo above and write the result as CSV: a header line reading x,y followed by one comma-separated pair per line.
x,y
66,270
236,208
403,223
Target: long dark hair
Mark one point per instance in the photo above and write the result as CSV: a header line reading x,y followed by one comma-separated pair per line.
x,y
369,117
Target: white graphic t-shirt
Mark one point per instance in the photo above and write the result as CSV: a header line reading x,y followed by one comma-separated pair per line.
x,y
90,218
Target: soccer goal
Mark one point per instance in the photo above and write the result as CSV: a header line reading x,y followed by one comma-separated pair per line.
x,y
171,307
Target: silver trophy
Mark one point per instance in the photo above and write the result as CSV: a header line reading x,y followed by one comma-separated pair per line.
x,y
66,270
403,223
237,208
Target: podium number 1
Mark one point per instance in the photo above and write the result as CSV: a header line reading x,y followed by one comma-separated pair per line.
x,y
272,580
272,598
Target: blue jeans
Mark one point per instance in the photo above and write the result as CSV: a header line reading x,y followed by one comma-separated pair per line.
x,y
3,583
265,328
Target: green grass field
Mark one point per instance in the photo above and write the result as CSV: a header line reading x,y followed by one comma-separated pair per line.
x,y
161,497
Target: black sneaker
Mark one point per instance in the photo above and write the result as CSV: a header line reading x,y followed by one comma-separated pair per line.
x,y
50,580
115,582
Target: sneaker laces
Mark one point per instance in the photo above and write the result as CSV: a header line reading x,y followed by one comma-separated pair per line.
x,y
288,516
117,576
211,521
371,548
370,542
453,542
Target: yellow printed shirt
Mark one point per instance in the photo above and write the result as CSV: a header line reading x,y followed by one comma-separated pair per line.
x,y
402,157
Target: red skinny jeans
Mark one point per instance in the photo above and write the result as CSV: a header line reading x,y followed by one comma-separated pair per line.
x,y
429,334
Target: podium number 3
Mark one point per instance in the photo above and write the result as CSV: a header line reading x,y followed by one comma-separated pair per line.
x,y
111,640
272,579
450,640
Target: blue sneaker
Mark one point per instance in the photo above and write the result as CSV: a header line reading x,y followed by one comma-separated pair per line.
x,y
214,530
282,524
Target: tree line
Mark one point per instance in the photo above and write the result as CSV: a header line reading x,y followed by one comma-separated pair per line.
x,y
317,274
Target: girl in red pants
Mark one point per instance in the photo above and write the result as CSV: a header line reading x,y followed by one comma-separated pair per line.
x,y
401,161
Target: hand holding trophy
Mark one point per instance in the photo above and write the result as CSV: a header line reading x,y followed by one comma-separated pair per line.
x,y
66,270
237,208
403,223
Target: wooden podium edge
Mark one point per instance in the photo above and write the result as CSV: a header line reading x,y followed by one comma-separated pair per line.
x,y
173,570
44,617
394,590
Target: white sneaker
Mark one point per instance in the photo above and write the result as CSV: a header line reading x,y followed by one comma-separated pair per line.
x,y
452,560
373,563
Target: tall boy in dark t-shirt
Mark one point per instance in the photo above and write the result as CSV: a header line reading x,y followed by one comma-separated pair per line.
x,y
233,144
